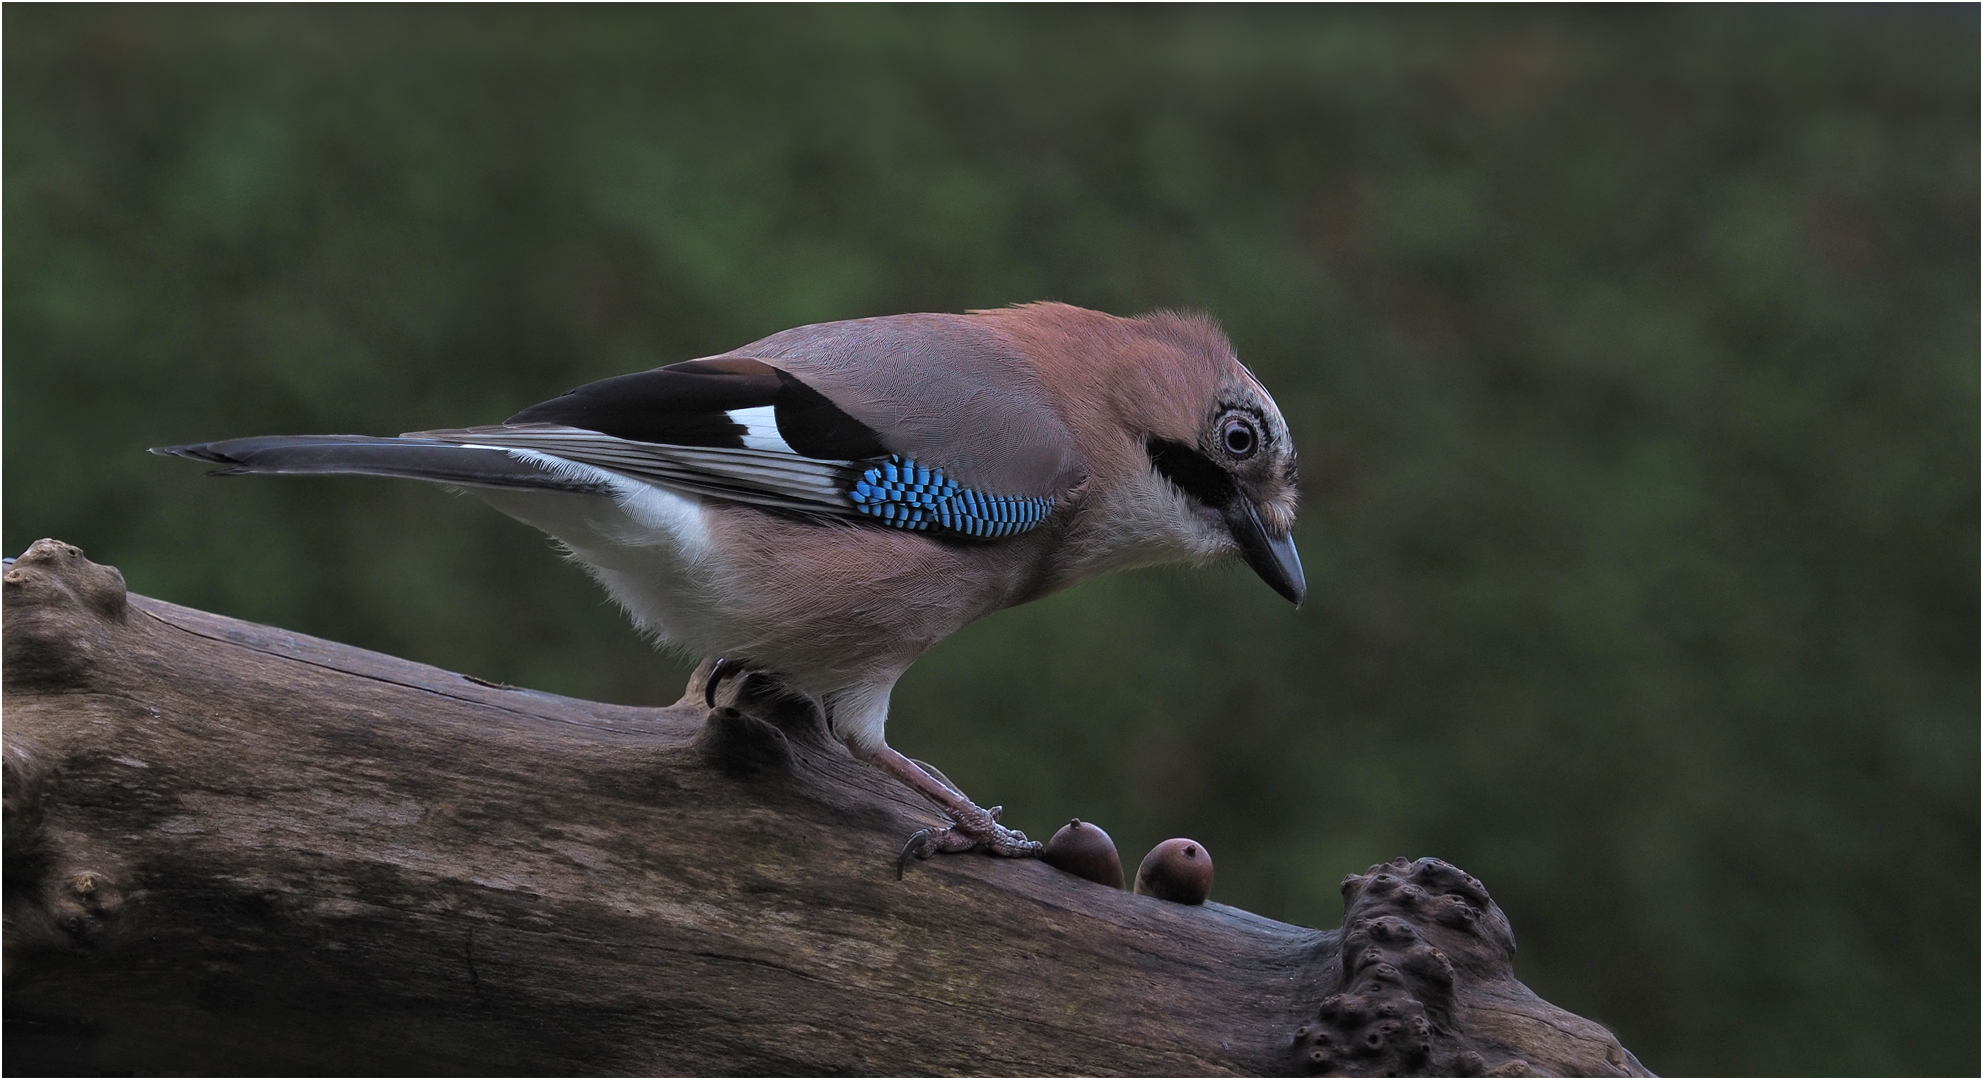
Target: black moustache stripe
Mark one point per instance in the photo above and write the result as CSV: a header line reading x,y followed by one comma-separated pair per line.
x,y
1194,474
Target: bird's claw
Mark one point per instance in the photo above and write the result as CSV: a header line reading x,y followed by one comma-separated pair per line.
x,y
921,845
723,668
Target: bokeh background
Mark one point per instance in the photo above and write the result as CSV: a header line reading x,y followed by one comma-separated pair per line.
x,y
1632,355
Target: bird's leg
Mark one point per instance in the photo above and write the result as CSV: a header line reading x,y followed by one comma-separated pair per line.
x,y
972,825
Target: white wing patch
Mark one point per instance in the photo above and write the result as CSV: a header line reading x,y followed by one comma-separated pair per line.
x,y
760,428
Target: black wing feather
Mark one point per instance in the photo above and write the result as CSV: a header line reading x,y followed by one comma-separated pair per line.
x,y
688,404
812,425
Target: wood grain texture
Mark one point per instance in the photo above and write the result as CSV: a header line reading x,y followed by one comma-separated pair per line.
x,y
232,849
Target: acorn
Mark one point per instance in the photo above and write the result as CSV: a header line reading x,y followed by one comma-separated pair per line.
x,y
1177,870
1084,850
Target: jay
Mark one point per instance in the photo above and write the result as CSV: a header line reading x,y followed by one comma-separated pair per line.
x,y
825,505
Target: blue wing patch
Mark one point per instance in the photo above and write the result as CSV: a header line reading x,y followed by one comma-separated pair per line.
x,y
905,495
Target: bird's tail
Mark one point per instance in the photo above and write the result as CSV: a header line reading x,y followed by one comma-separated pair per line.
x,y
419,459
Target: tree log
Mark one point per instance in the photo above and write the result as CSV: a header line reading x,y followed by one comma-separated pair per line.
x,y
229,848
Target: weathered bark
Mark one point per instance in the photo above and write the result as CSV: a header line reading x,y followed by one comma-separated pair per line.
x,y
234,849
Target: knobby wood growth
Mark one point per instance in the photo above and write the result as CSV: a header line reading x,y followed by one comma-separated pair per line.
x,y
229,848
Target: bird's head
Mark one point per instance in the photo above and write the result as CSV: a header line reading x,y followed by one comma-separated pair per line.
x,y
1236,470
1186,454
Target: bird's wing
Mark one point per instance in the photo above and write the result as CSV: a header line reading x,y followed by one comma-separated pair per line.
x,y
721,403
731,428
735,429
751,431
935,388
771,478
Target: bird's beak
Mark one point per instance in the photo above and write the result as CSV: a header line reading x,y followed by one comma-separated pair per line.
x,y
1272,557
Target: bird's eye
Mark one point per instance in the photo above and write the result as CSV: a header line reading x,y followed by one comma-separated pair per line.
x,y
1239,437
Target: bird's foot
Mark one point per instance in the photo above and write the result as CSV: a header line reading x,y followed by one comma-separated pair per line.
x,y
971,828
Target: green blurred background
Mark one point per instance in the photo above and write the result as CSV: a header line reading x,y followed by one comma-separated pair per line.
x,y
1632,356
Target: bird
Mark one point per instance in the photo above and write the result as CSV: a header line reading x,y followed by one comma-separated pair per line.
x,y
826,504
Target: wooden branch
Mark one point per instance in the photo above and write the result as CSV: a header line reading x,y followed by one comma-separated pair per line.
x,y
234,849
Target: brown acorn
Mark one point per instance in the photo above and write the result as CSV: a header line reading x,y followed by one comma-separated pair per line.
x,y
1084,850
1177,870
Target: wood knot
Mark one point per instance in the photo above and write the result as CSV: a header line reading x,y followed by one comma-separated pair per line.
x,y
85,911
59,609
50,571
1411,931
744,746
1441,901
762,695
